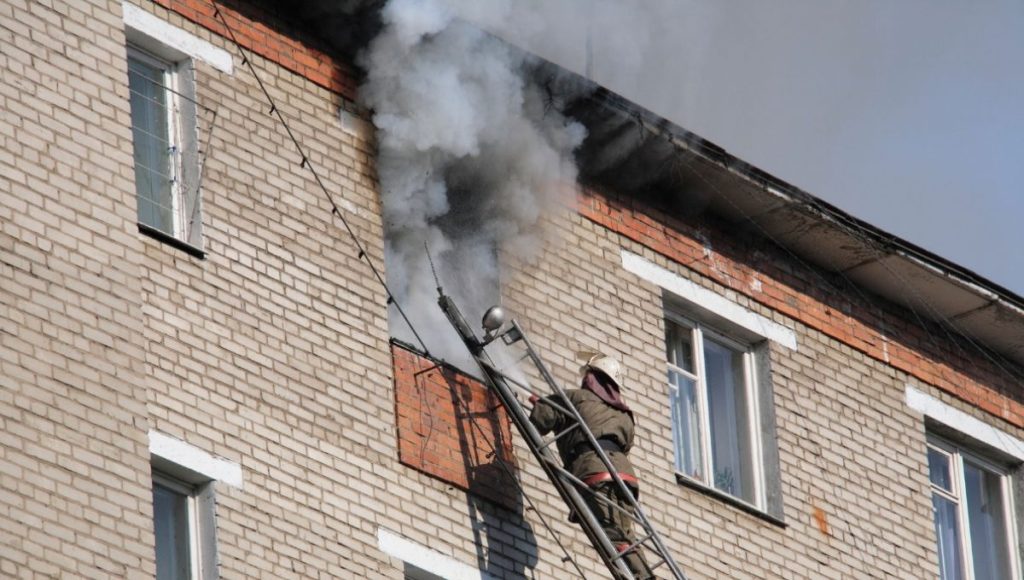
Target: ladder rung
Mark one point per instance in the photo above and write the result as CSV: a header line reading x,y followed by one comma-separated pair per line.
x,y
569,486
565,432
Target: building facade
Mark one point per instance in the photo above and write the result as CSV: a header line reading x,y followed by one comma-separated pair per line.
x,y
198,378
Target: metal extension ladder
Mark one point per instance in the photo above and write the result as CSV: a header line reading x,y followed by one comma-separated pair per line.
x,y
569,487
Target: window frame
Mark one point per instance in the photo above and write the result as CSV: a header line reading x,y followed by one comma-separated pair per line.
x,y
699,332
178,460
182,123
197,500
172,96
958,455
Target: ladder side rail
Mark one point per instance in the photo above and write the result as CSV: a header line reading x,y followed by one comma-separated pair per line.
x,y
572,478
497,383
563,406
630,513
574,424
580,484
627,493
574,413
572,496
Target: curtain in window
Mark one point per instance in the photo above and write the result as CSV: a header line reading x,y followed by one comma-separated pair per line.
x,y
684,403
986,514
685,425
947,520
947,531
730,420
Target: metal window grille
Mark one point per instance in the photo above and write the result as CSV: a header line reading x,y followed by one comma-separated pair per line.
x,y
165,119
155,141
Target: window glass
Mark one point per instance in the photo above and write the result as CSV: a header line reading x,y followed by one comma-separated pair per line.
x,y
685,424
973,517
947,530
679,346
938,469
986,512
712,410
151,142
173,533
729,419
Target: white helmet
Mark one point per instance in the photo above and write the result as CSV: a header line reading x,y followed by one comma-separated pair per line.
x,y
607,365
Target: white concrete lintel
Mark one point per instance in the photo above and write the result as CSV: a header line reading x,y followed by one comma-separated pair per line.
x,y
956,419
708,300
426,559
181,40
195,459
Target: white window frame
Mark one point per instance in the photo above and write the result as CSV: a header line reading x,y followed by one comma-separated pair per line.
x,y
175,134
193,468
179,50
957,455
698,331
755,332
193,493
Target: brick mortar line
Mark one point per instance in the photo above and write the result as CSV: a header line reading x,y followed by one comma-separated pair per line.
x,y
651,234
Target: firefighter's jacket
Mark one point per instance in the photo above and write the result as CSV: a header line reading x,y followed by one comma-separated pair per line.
x,y
605,422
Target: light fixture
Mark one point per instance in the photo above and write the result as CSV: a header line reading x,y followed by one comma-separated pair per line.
x,y
493,319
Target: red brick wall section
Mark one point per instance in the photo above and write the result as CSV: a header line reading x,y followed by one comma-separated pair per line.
x,y
452,427
257,37
794,291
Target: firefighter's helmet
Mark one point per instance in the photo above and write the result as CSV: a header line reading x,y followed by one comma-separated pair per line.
x,y
607,365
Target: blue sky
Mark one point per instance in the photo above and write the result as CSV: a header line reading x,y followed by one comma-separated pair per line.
x,y
908,114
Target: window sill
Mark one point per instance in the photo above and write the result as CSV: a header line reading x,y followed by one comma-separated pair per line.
x,y
730,500
171,241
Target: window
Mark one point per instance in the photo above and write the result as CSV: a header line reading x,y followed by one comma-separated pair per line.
x,y
163,116
182,518
165,121
973,508
720,391
183,506
713,396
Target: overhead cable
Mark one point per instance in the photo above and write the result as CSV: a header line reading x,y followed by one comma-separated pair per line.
x,y
308,164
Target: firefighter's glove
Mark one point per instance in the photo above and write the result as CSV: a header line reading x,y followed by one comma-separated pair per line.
x,y
526,398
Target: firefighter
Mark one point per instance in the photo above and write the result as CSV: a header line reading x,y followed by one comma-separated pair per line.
x,y
599,402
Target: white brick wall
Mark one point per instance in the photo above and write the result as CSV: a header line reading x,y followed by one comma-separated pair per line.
x,y
272,353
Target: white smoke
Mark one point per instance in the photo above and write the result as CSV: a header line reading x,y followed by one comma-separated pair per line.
x,y
471,155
